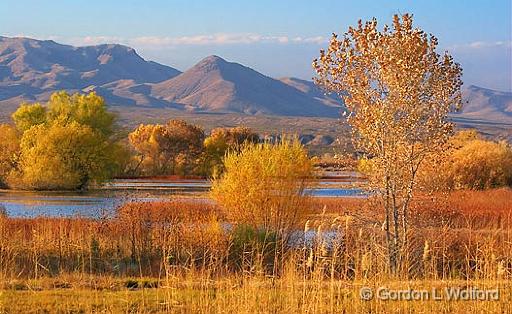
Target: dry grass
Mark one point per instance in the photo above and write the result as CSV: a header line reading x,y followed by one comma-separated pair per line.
x,y
180,257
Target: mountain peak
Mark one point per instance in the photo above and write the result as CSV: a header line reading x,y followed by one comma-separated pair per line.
x,y
212,59
217,85
114,48
211,63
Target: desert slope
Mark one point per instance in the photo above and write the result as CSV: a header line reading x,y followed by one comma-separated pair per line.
x,y
32,69
216,85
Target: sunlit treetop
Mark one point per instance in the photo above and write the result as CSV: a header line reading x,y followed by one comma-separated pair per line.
x,y
391,79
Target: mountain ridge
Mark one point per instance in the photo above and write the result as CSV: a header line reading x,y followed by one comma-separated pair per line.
x,y
31,69
214,84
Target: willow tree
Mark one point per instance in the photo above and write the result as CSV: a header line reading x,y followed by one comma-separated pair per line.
x,y
67,144
398,91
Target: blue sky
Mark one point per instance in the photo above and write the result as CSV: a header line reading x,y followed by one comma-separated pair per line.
x,y
278,38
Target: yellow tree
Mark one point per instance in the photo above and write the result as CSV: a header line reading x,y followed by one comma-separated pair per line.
x,y
86,109
222,141
66,144
398,92
145,139
64,157
163,147
28,115
9,151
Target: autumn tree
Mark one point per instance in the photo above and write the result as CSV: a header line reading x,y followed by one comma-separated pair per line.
x,y
222,141
64,157
9,151
85,109
398,91
28,115
66,144
164,149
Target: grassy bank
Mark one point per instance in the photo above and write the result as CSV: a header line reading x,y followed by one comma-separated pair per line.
x,y
250,295
181,256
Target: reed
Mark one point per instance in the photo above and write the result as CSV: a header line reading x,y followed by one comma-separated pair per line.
x,y
182,257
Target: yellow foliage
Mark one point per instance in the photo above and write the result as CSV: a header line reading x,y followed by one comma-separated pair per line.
x,y
86,109
63,157
469,162
9,151
165,149
263,186
481,164
29,115
365,166
66,145
222,141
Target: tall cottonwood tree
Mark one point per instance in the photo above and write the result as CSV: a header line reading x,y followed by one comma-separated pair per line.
x,y
398,91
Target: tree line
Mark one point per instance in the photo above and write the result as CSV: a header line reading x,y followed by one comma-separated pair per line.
x,y
74,141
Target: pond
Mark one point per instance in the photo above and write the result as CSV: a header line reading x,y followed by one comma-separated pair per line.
x,y
103,201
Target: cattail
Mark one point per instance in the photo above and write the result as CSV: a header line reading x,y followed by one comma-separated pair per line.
x,y
306,226
323,250
335,221
366,262
426,251
348,220
309,262
501,269
319,231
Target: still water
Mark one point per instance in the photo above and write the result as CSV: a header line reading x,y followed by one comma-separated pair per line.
x,y
101,202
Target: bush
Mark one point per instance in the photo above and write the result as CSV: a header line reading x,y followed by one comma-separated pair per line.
x,y
469,162
264,186
482,164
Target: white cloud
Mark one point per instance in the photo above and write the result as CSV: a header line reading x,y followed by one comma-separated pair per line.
x,y
221,39
481,45
214,39
169,42
95,40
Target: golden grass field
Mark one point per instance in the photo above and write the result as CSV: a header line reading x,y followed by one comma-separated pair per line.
x,y
177,257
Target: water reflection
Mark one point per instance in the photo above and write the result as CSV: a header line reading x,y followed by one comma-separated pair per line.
x,y
101,202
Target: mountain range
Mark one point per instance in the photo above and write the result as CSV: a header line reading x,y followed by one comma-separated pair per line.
x,y
30,70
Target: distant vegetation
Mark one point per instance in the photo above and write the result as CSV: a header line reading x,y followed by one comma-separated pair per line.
x,y
167,149
74,141
468,162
